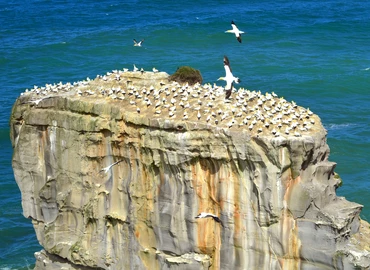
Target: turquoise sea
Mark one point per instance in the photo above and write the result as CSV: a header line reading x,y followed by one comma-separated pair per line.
x,y
313,52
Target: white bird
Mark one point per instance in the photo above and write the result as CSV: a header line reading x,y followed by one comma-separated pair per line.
x,y
138,44
106,169
37,101
135,68
207,215
229,78
155,70
236,31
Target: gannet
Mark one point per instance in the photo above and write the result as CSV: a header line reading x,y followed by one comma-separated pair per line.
x,y
229,78
236,31
207,215
37,101
138,44
135,68
106,169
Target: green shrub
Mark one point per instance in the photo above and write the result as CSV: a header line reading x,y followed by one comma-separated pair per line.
x,y
187,74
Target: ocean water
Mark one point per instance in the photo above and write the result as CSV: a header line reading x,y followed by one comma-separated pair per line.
x,y
313,52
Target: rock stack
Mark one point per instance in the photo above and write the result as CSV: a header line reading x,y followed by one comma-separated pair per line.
x,y
113,172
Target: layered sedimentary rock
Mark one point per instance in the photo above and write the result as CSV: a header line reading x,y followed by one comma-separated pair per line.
x,y
114,170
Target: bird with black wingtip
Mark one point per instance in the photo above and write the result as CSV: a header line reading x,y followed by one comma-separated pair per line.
x,y
138,44
229,78
236,31
209,215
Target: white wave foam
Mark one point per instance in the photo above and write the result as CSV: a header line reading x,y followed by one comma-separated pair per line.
x,y
339,126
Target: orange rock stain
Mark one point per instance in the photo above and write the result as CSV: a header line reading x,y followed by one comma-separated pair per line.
x,y
206,186
290,237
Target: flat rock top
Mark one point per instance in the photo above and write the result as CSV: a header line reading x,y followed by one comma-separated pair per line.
x,y
151,95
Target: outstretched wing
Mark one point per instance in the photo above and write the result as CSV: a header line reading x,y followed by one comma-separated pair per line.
x,y
237,32
235,28
227,66
226,61
217,219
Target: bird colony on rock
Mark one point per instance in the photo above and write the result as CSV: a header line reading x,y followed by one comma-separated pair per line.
x,y
257,113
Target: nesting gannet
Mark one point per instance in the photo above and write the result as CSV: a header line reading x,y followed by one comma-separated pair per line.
x,y
138,44
135,68
207,215
229,78
236,31
106,169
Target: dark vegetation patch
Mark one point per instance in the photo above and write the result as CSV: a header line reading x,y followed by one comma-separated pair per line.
x,y
187,74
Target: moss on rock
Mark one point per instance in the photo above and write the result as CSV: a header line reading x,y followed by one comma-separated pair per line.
x,y
187,74
339,180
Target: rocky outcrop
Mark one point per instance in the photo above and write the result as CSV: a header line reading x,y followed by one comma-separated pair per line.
x,y
259,163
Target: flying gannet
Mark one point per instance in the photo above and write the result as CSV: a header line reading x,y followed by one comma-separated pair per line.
x,y
229,78
106,169
37,101
138,44
236,31
207,215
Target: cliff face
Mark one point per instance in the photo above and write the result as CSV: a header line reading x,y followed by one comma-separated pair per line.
x,y
271,184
